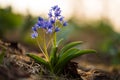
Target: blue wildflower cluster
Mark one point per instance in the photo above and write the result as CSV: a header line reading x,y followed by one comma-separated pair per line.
x,y
53,24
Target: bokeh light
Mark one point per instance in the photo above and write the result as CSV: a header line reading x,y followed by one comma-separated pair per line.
x,y
83,9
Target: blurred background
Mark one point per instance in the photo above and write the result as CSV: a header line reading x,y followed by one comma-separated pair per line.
x,y
95,22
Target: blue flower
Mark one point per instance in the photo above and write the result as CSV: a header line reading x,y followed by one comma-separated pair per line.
x,y
45,24
34,29
50,13
55,7
34,35
57,29
49,31
40,19
52,20
49,25
40,22
64,23
57,13
56,10
61,18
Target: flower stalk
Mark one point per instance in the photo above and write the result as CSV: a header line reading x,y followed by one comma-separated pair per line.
x,y
49,27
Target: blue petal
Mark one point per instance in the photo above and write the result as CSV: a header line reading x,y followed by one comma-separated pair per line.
x,y
61,18
55,7
45,24
57,29
65,24
52,21
40,24
50,14
40,19
34,28
57,13
34,35
49,31
50,26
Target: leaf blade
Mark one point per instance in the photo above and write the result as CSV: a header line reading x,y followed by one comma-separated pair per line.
x,y
68,46
63,61
53,55
38,60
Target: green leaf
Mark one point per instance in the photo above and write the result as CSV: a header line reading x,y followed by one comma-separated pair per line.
x,y
68,46
39,60
66,58
59,42
63,57
69,52
2,54
53,55
81,52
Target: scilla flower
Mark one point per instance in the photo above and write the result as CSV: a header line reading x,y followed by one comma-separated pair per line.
x,y
34,35
50,25
55,58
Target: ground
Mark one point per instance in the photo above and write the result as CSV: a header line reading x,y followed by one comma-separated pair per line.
x,y
17,66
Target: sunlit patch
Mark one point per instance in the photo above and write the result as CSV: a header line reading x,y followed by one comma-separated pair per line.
x,y
88,9
92,8
37,7
114,13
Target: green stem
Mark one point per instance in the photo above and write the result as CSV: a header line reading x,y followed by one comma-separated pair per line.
x,y
41,48
45,47
51,37
54,39
54,36
51,68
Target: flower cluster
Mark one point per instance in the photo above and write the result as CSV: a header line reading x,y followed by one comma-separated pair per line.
x,y
53,24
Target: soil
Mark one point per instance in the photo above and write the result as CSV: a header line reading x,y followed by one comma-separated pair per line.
x,y
17,66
